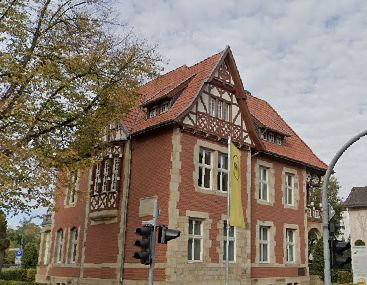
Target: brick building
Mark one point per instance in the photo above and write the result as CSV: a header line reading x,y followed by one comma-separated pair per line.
x,y
172,147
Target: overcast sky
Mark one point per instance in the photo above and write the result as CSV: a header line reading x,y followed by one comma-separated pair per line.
x,y
308,59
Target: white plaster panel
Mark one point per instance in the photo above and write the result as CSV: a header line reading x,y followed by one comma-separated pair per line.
x,y
200,104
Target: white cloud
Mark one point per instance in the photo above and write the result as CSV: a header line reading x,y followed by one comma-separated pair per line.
x,y
307,58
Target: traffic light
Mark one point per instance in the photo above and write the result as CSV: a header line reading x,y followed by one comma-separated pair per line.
x,y
339,256
165,234
146,232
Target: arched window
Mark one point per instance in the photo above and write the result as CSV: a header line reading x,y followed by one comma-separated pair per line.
x,y
359,242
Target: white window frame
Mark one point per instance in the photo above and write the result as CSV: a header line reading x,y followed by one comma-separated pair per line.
x,y
153,112
46,249
59,246
289,189
271,137
232,239
97,178
226,111
290,236
72,188
164,107
212,106
264,244
115,178
222,172
192,236
73,245
203,166
264,183
219,109
106,175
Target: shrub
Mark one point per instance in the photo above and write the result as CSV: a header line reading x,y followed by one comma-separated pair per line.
x,y
344,277
12,282
18,274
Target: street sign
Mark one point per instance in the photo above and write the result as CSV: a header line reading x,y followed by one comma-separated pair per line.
x,y
19,253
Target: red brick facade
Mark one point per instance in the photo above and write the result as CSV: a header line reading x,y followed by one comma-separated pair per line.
x,y
162,164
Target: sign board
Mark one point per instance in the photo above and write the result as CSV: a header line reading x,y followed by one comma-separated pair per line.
x,y
359,257
19,253
18,260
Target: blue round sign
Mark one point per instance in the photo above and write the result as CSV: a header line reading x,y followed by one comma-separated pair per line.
x,y
19,253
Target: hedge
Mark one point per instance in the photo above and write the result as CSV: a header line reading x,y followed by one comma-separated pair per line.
x,y
27,275
12,282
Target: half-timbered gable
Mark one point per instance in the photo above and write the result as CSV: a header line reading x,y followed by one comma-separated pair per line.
x,y
216,110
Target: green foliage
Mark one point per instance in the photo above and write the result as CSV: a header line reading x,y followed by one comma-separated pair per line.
x,y
11,282
333,198
27,234
318,259
4,242
344,277
27,275
359,242
67,70
30,255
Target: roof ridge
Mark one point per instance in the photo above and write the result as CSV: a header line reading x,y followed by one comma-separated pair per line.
x,y
209,57
294,133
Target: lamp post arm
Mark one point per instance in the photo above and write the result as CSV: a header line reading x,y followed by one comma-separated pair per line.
x,y
325,204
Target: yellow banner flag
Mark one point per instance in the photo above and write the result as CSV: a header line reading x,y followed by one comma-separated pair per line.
x,y
236,210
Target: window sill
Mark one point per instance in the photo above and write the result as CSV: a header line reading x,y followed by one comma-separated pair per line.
x,y
211,191
104,216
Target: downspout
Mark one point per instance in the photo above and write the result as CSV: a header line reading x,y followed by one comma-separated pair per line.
x,y
125,201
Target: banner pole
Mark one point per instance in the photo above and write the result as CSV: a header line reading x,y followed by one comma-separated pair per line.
x,y
228,210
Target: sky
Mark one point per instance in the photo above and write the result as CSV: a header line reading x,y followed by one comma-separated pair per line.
x,y
308,59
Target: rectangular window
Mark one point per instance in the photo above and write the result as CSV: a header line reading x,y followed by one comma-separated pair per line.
x,y
73,245
290,247
264,244
106,177
219,109
222,177
164,107
115,174
263,184
194,247
46,250
226,112
205,169
59,244
71,190
212,106
153,112
289,188
271,137
97,178
231,245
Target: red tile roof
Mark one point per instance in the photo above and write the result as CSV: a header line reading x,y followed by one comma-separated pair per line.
x,y
195,76
137,120
293,147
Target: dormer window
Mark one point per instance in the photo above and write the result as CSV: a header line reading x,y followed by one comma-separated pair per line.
x,y
153,112
278,140
271,136
164,107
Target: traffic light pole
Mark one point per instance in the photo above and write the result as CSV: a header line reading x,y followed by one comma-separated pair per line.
x,y
153,242
325,205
